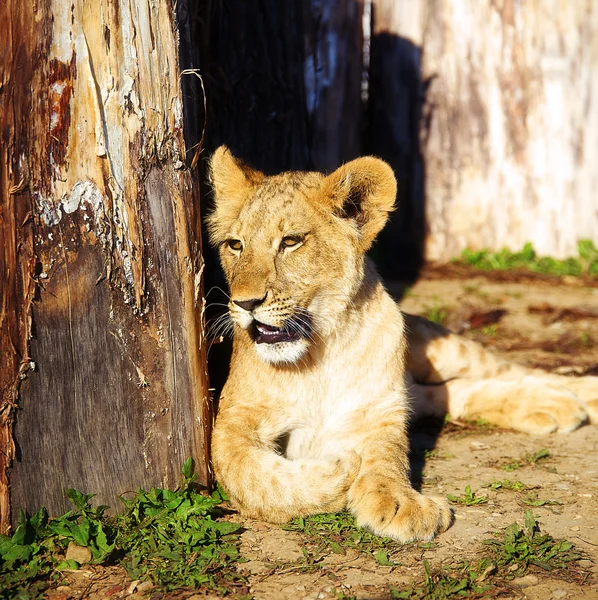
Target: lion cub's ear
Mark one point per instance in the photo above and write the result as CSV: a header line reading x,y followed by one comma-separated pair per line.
x,y
363,190
233,182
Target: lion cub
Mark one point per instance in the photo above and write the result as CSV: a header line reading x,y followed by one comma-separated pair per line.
x,y
314,413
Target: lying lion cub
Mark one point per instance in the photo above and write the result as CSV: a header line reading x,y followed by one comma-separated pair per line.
x,y
326,371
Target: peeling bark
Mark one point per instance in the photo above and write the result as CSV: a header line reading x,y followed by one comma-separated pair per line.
x,y
16,239
119,395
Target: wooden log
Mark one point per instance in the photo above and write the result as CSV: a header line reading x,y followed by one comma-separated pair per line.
x,y
117,392
509,123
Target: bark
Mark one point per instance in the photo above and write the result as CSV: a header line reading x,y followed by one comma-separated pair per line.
x,y
117,393
16,238
509,128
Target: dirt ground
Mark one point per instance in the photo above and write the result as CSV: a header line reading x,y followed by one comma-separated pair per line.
x,y
534,320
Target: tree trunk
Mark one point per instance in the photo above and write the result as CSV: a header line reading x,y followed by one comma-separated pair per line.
x,y
98,217
510,121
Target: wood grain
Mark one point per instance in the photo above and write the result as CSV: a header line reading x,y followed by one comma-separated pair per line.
x,y
119,395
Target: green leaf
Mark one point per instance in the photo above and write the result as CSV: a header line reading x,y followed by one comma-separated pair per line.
x,y
530,522
382,559
81,501
336,548
187,469
68,565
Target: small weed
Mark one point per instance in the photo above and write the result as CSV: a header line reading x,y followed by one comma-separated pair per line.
x,y
533,500
490,330
506,484
169,537
482,424
527,546
468,499
467,426
461,581
527,460
512,465
585,338
532,459
340,595
437,313
586,262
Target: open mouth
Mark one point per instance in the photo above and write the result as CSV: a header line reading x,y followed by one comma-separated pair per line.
x,y
267,334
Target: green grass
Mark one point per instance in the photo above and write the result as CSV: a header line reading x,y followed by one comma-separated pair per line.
x,y
338,532
177,539
508,555
468,499
586,263
168,537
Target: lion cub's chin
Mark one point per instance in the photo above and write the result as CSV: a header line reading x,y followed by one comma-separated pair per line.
x,y
282,352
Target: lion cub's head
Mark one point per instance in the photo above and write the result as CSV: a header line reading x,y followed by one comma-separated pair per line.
x,y
293,247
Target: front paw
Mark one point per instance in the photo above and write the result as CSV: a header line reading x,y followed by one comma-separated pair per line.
x,y
404,516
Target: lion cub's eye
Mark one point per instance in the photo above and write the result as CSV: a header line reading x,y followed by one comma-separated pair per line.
x,y
235,245
291,241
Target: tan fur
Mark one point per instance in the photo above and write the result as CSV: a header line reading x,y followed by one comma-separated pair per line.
x,y
317,422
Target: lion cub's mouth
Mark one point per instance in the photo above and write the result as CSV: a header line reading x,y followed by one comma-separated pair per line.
x,y
267,334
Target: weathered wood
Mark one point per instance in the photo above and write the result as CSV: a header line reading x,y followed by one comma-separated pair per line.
x,y
119,395
510,127
16,239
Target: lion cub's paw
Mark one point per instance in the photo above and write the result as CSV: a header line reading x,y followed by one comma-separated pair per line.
x,y
547,408
405,517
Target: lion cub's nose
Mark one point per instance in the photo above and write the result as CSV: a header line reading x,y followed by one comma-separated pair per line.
x,y
249,305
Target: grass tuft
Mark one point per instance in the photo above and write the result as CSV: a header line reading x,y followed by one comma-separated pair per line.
x,y
522,547
338,532
468,499
586,263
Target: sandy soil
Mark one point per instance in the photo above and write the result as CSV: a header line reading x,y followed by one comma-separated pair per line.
x,y
543,322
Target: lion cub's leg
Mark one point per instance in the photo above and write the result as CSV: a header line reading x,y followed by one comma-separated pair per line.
x,y
381,497
437,355
529,404
264,485
458,376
